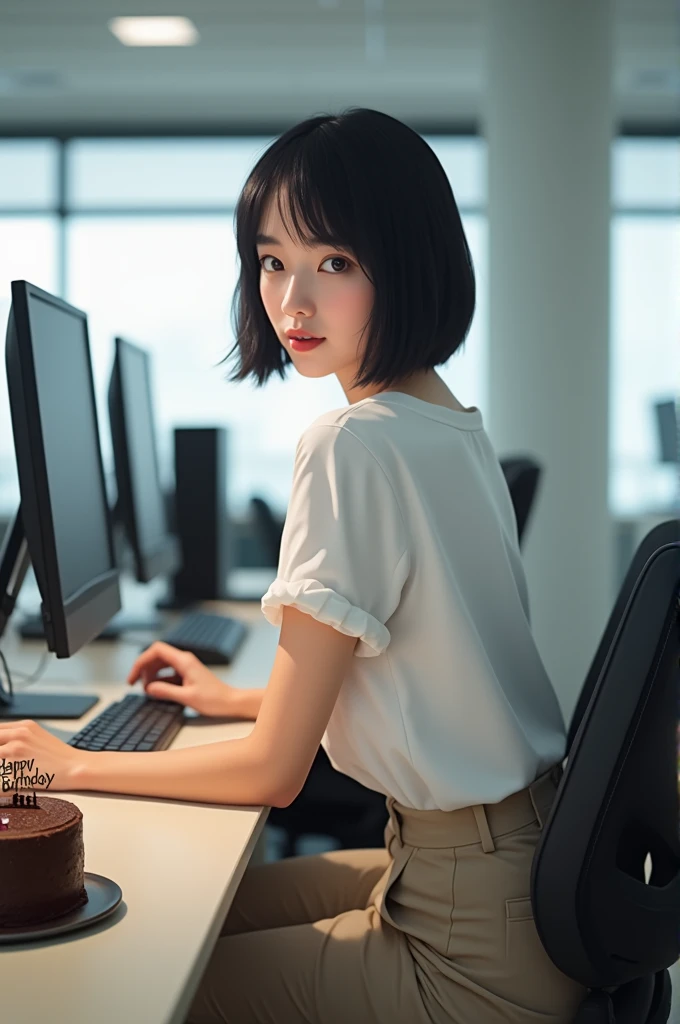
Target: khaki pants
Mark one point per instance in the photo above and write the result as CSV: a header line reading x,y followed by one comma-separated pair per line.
x,y
437,927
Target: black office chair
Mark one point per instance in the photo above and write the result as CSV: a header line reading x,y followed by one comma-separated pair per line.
x,y
617,802
522,475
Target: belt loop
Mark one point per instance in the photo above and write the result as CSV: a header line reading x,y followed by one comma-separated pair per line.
x,y
483,827
394,819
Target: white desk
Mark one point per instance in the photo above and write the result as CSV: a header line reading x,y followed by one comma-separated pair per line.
x,y
178,865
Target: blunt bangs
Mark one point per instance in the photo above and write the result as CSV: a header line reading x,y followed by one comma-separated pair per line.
x,y
364,182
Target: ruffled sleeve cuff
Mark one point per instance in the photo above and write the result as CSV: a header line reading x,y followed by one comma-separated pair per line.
x,y
330,607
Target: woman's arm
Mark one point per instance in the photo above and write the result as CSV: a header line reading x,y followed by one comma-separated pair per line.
x,y
229,772
269,766
244,703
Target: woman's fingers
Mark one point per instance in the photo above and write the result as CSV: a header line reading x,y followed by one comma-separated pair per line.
x,y
153,659
166,691
146,669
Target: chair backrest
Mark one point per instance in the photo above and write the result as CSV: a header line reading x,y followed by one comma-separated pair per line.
x,y
599,920
522,475
665,533
268,527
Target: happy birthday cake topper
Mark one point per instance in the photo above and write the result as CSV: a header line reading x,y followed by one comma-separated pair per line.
x,y
20,775
17,775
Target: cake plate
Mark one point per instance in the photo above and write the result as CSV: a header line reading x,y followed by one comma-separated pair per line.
x,y
103,898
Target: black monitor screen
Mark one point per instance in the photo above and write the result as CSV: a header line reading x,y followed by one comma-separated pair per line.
x,y
141,503
150,515
63,514
70,438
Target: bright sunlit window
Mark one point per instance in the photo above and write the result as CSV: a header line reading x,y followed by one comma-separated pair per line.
x,y
645,312
28,251
146,247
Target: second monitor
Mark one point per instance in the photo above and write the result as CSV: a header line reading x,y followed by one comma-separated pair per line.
x,y
140,507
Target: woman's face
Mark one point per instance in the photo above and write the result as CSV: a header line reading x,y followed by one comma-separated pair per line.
x,y
320,291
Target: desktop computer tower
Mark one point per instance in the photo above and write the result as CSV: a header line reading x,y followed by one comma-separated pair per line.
x,y
200,515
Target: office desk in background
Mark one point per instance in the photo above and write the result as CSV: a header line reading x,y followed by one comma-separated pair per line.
x,y
178,864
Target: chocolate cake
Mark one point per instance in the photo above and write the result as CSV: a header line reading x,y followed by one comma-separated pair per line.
x,y
41,861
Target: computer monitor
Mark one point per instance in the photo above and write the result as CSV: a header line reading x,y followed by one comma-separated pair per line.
x,y
63,523
140,507
667,429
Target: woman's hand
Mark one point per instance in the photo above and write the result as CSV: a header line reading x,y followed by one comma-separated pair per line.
x,y
43,760
192,683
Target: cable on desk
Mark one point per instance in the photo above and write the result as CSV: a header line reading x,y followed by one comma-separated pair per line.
x,y
25,678
32,677
7,687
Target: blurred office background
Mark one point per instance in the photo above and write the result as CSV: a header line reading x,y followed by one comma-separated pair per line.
x,y
558,124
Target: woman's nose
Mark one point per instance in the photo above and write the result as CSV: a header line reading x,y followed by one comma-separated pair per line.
x,y
298,300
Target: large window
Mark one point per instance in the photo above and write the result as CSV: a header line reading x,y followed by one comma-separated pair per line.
x,y
645,349
139,233
148,250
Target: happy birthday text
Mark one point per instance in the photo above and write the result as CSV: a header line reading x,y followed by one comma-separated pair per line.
x,y
18,775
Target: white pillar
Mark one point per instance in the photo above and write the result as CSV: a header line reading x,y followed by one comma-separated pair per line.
x,y
548,122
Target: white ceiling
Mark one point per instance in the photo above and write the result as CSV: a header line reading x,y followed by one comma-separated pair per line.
x,y
265,63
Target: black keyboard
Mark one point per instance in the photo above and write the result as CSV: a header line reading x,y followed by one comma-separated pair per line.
x,y
136,722
214,639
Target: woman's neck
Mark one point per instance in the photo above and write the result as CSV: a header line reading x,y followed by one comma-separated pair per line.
x,y
426,385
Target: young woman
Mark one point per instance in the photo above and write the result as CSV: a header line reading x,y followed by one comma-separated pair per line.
x,y
405,644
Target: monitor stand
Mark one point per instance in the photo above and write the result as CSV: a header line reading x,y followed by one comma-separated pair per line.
x,y
44,705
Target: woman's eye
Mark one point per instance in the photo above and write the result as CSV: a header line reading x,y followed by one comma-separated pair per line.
x,y
262,263
334,260
337,259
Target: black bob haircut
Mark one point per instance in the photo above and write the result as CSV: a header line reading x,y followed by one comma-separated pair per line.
x,y
364,182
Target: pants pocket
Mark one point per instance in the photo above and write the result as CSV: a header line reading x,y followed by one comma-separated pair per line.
x,y
518,911
538,984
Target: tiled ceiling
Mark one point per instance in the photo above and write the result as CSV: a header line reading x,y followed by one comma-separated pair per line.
x,y
265,63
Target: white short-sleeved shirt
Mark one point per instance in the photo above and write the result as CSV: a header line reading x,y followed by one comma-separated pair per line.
x,y
400,531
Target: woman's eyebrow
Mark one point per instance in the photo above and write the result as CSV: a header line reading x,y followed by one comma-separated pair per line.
x,y
261,239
